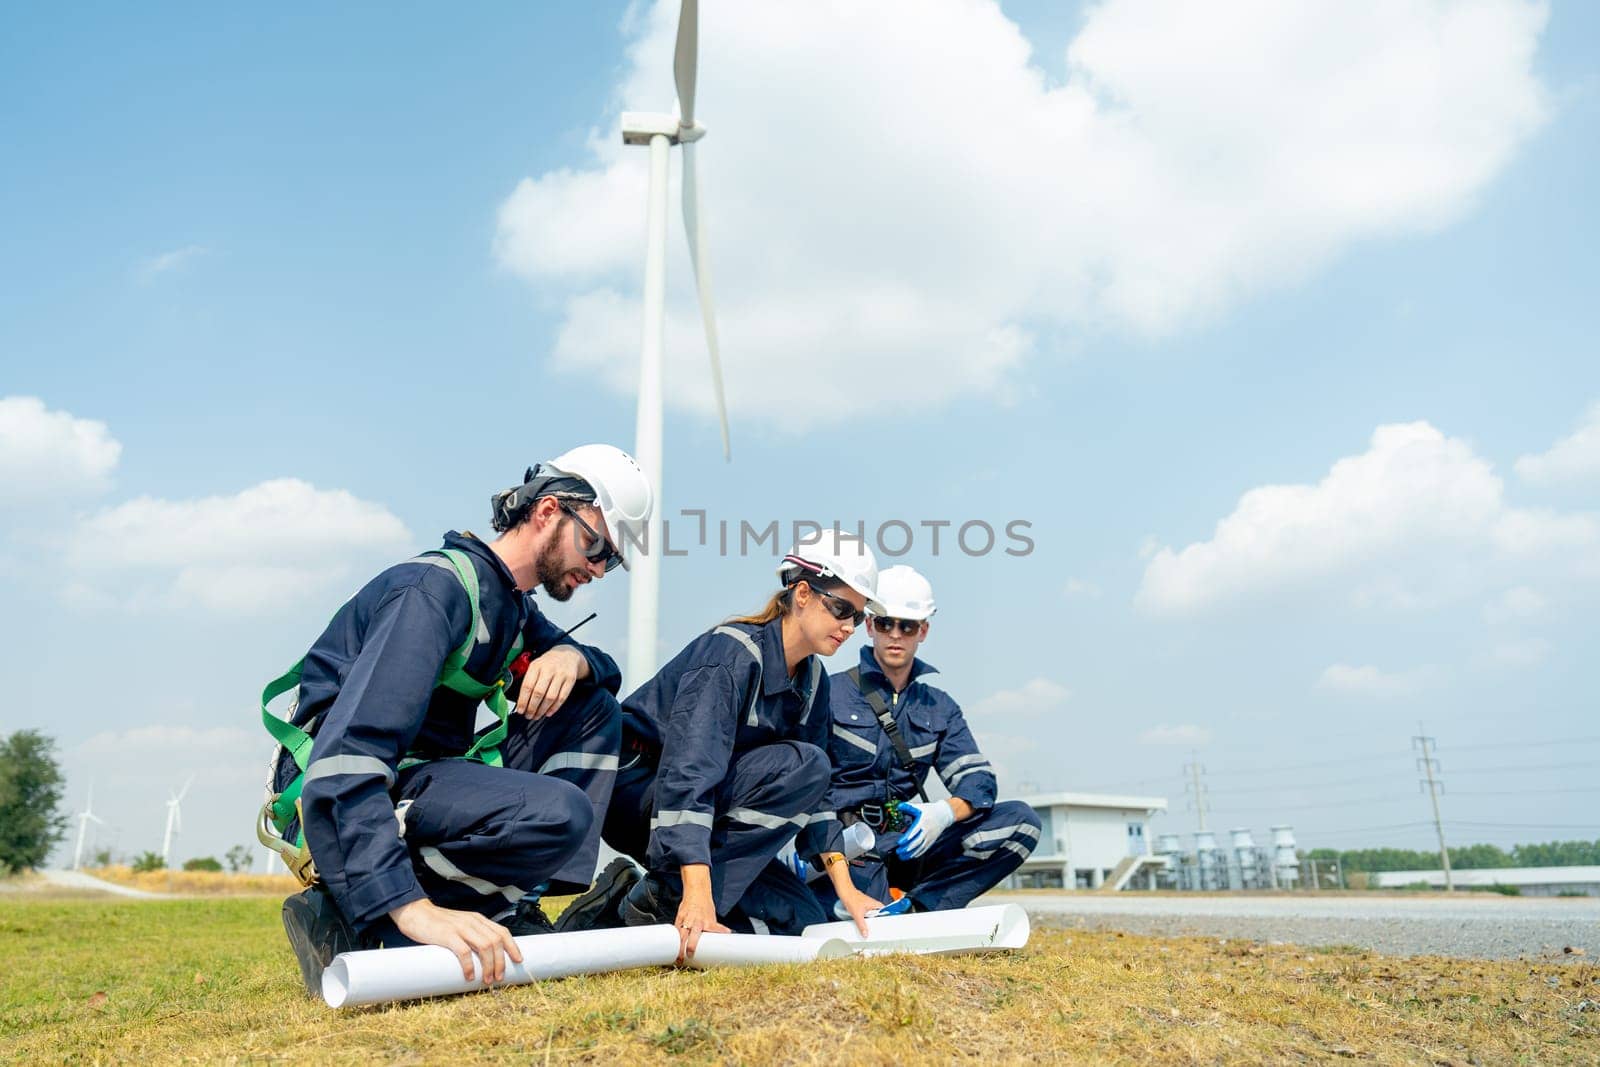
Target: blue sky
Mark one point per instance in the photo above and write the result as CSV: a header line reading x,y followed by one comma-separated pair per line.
x,y
1120,292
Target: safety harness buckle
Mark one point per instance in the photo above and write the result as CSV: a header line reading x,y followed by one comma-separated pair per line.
x,y
295,857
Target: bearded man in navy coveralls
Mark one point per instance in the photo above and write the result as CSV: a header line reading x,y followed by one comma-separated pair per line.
x,y
412,843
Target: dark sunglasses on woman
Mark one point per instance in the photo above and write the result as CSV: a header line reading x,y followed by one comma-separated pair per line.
x,y
885,625
840,608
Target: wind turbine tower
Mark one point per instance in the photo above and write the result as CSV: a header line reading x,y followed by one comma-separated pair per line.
x,y
659,132
85,817
174,821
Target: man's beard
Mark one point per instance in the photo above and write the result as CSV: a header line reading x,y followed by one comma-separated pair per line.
x,y
550,572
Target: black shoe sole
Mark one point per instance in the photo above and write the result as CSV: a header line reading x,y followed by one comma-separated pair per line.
x,y
598,909
317,933
650,909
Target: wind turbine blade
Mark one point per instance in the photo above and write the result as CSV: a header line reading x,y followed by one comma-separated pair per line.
x,y
694,230
185,790
94,818
686,58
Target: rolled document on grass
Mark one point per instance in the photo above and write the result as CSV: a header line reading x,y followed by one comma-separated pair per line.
x,y
750,950
1000,926
356,979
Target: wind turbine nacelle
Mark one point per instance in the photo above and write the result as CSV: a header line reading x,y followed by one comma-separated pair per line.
x,y
639,126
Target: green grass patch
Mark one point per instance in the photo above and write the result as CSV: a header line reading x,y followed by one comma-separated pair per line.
x,y
209,980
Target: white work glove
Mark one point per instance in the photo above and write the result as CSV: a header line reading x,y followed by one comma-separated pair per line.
x,y
931,821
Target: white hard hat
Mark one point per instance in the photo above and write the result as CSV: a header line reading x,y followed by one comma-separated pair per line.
x,y
831,554
622,492
905,594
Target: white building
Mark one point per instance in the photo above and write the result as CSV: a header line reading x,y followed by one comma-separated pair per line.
x,y
1091,841
1530,881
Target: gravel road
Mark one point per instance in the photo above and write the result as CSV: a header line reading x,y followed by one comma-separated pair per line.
x,y
1469,926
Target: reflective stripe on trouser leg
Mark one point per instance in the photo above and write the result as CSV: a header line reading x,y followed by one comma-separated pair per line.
x,y
970,858
763,801
577,744
481,837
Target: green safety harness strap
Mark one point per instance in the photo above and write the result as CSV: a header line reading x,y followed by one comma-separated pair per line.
x,y
283,808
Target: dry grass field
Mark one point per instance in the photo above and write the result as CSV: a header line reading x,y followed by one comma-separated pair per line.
x,y
198,883
210,980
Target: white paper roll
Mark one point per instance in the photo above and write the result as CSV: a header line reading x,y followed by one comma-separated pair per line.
x,y
355,979
749,950
1000,926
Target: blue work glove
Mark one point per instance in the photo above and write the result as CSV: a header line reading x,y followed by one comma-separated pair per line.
x,y
791,859
930,821
895,907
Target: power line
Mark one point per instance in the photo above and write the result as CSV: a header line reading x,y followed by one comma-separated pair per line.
x,y
1527,792
1369,829
1392,755
1164,780
1320,806
1527,825
1588,765
1230,790
1525,744
1273,768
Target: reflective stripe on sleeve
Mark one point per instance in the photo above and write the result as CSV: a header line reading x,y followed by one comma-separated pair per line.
x,y
675,818
367,766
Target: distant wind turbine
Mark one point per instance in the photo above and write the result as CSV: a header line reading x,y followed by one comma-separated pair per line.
x,y
659,132
174,821
85,817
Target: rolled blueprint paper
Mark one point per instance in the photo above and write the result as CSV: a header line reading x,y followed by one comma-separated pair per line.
x,y
1001,926
749,950
355,979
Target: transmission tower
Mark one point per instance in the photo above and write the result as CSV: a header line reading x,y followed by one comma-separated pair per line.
x,y
1430,767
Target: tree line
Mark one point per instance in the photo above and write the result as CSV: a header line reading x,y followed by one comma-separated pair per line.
x,y
1465,857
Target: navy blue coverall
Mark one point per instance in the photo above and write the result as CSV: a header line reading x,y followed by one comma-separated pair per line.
x,y
971,856
461,833
723,760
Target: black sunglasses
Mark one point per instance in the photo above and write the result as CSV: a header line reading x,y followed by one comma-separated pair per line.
x,y
885,625
599,548
839,607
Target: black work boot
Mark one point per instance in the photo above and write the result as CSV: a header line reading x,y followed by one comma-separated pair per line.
x,y
598,909
528,918
650,902
318,931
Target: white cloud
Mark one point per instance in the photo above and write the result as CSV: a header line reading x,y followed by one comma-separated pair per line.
x,y
51,457
1079,588
1038,696
1370,681
1574,458
1516,604
168,261
1186,734
1519,654
254,551
907,211
1415,515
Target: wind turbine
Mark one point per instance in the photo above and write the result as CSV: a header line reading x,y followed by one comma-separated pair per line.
x,y
85,817
174,820
659,132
